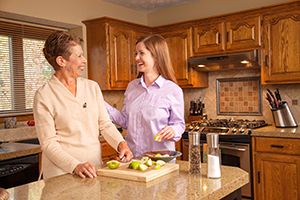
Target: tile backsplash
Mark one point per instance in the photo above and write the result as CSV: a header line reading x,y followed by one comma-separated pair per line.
x,y
238,96
289,93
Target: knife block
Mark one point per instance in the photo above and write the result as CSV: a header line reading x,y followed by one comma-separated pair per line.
x,y
283,117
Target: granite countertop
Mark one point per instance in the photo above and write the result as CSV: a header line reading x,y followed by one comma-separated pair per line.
x,y
14,150
22,132
176,185
272,131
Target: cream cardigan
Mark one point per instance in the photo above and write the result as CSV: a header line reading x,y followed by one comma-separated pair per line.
x,y
68,126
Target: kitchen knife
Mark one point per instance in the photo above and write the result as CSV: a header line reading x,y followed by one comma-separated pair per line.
x,y
269,99
274,98
278,97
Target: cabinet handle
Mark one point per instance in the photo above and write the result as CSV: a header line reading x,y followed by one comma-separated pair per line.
x,y
218,38
266,60
258,177
227,36
277,146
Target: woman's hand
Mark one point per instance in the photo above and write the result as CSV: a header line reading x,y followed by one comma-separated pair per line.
x,y
167,133
85,170
125,154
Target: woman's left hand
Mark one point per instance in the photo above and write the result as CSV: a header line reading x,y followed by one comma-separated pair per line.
x,y
167,133
85,170
125,154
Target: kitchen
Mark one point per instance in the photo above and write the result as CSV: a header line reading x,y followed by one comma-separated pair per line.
x,y
289,92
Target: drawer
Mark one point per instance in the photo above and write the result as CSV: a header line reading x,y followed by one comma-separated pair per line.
x,y
278,145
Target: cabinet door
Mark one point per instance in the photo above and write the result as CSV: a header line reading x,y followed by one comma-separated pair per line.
x,y
277,177
208,38
120,41
108,153
179,43
281,47
243,33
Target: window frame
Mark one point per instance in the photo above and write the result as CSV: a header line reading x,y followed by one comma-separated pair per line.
x,y
17,32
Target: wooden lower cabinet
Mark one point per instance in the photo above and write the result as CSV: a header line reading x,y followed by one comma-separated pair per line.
x,y
108,153
276,168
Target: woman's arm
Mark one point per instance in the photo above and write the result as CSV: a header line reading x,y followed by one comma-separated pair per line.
x,y
116,116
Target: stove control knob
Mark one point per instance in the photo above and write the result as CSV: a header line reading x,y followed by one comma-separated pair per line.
x,y
190,127
196,128
234,130
242,130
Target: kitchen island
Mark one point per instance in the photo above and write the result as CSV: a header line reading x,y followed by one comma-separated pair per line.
x,y
177,185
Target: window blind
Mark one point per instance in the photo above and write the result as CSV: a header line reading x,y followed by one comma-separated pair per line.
x,y
23,68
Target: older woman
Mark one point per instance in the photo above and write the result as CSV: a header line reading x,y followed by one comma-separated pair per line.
x,y
69,115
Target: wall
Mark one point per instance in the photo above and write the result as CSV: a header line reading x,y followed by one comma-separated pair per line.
x,y
70,12
198,9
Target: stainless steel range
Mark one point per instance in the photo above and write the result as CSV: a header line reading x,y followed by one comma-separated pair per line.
x,y
225,126
235,142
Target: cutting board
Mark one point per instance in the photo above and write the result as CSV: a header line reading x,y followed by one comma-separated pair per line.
x,y
123,172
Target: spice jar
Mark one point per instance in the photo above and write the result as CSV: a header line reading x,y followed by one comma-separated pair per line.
x,y
194,152
213,156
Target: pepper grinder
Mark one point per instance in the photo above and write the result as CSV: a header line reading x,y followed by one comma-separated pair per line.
x,y
213,156
194,152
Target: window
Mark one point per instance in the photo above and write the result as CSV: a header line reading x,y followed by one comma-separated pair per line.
x,y
23,68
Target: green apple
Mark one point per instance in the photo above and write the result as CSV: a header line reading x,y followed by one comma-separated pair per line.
x,y
157,138
157,167
143,167
160,162
113,164
149,162
134,164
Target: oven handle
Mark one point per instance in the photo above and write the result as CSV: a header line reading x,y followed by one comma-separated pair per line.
x,y
233,148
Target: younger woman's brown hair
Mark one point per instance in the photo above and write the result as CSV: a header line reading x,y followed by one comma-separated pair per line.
x,y
158,47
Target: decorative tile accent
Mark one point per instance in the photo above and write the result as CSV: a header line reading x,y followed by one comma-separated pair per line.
x,y
239,96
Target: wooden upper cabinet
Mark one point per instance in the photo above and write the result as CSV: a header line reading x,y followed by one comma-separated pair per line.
x,y
208,38
110,48
120,51
281,45
180,47
243,33
234,33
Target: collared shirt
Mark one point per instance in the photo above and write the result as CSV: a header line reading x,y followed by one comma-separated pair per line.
x,y
147,110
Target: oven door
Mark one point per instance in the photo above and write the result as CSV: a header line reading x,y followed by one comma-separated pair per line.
x,y
238,155
19,171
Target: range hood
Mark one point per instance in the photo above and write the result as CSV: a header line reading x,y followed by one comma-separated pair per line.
x,y
228,61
